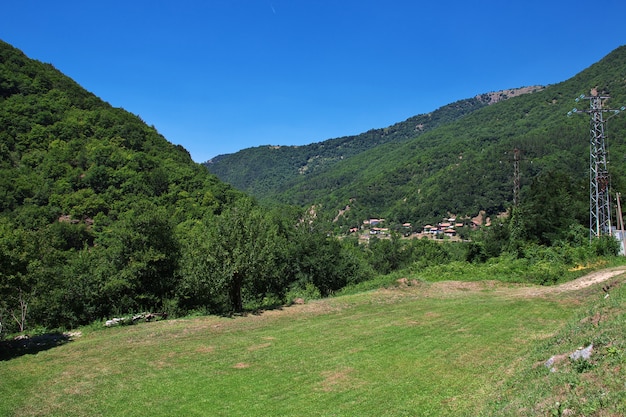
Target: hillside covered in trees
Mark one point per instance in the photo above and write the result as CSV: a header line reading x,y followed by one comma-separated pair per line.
x,y
271,169
460,166
100,215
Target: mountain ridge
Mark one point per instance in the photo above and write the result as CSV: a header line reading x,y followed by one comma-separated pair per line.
x,y
270,168
462,166
489,98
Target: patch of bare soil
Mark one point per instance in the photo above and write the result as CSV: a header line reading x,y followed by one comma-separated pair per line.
x,y
205,349
575,285
241,365
305,307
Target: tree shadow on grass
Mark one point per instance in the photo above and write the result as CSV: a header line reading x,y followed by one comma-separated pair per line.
x,y
260,311
11,349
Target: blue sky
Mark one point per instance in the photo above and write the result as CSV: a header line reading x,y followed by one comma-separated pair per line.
x,y
217,76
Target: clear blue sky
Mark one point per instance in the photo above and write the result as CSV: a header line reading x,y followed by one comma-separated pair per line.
x,y
217,76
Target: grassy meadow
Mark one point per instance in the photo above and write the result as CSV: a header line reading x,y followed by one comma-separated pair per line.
x,y
422,349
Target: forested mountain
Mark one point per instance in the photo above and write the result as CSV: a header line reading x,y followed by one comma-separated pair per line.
x,y
100,215
466,165
269,170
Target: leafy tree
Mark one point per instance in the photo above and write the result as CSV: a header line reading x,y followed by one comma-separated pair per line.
x,y
320,260
15,288
145,252
231,258
386,255
553,202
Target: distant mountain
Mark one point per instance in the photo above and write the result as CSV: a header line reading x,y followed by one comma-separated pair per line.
x,y
460,165
269,170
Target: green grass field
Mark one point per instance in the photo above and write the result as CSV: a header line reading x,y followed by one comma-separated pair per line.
x,y
450,348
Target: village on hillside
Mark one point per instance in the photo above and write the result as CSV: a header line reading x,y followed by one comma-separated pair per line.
x,y
448,228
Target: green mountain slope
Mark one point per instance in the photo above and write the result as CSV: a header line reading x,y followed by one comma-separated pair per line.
x,y
90,198
268,170
466,165
56,138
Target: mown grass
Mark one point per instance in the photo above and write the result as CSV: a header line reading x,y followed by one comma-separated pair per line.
x,y
395,352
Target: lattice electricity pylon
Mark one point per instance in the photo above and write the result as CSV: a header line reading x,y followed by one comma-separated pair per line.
x,y
599,181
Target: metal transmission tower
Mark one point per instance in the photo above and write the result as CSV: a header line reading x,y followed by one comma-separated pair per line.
x,y
599,201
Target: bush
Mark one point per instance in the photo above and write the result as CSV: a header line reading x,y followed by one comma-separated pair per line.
x,y
308,291
605,246
545,272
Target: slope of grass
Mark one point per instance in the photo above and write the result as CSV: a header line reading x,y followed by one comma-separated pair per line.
x,y
426,349
574,387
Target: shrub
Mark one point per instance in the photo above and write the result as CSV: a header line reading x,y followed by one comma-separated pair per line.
x,y
605,246
308,291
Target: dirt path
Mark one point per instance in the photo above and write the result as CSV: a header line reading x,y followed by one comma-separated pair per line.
x,y
590,279
577,284
449,288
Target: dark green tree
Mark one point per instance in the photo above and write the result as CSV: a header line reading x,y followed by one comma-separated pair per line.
x,y
142,248
230,259
553,202
386,255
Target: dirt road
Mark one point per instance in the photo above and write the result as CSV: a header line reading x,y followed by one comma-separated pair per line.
x,y
589,279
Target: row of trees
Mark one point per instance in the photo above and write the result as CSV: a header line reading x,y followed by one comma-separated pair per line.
x,y
71,273
244,257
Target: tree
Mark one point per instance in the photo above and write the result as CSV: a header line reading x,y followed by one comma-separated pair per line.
x,y
22,311
231,258
15,288
246,248
387,255
324,261
553,203
143,252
